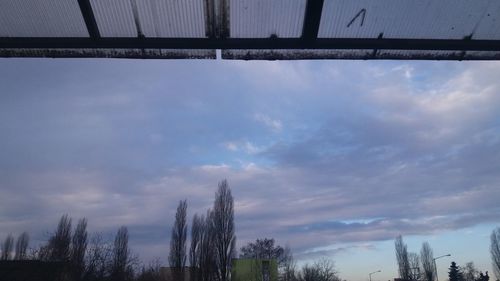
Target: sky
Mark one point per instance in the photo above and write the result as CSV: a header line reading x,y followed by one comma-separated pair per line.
x,y
333,158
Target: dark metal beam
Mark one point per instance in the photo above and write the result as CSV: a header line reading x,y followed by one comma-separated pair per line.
x,y
236,43
312,19
88,16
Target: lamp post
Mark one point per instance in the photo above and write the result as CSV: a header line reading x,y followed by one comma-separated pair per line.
x,y
370,275
435,267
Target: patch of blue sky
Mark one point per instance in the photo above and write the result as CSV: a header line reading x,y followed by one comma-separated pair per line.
x,y
464,245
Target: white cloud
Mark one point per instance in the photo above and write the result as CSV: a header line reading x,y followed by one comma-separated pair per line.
x,y
274,124
406,70
407,160
250,148
246,146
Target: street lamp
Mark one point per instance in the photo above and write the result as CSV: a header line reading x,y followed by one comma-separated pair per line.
x,y
370,275
435,267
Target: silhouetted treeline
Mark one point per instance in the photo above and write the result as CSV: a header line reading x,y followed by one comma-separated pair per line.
x,y
84,257
467,273
21,247
74,255
411,269
213,240
78,257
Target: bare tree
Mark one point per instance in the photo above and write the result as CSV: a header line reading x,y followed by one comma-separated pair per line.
x,y
206,249
262,249
470,272
223,224
322,270
194,260
58,248
98,259
79,247
495,251
195,241
414,261
22,246
327,269
309,273
7,247
402,258
266,249
121,268
288,269
42,253
426,257
177,255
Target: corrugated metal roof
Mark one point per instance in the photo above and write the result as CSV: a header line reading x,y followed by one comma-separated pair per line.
x,y
488,26
150,18
266,18
114,18
35,18
423,19
172,18
252,29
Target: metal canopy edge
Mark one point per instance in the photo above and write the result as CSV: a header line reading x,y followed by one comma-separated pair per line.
x,y
250,43
307,46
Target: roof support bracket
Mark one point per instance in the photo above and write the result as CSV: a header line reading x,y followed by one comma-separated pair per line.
x,y
312,19
89,18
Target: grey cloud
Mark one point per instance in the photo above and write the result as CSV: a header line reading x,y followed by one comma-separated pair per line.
x,y
122,142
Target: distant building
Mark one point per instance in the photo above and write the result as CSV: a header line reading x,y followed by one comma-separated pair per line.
x,y
32,270
254,270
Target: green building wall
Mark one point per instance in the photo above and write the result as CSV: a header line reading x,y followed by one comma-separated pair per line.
x,y
251,269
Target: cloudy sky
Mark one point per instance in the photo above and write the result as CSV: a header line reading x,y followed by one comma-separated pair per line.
x,y
334,158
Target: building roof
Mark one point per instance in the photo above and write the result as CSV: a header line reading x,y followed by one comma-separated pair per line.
x,y
252,29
